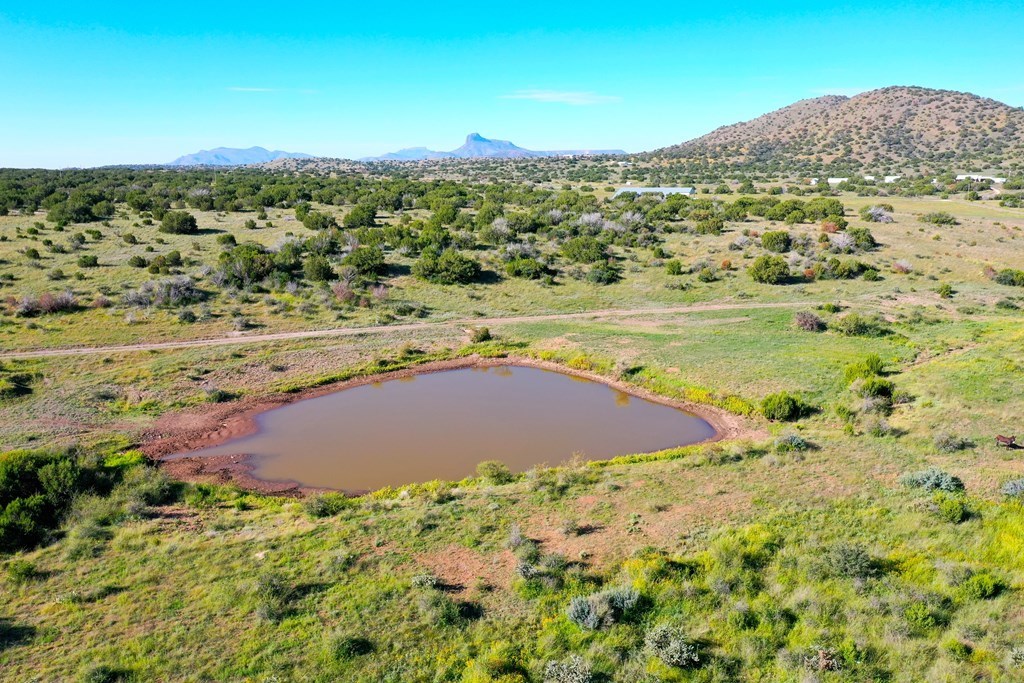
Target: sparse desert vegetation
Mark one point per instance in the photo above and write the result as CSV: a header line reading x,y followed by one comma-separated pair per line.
x,y
867,526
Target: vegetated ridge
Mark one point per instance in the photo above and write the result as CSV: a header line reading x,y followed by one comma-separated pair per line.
x,y
896,128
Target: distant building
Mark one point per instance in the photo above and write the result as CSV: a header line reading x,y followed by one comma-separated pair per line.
x,y
836,181
971,176
869,177
688,191
891,178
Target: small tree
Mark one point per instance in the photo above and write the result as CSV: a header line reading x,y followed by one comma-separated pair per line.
x,y
179,223
782,406
778,241
770,270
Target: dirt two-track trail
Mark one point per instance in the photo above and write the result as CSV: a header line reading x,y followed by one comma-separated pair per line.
x,y
240,338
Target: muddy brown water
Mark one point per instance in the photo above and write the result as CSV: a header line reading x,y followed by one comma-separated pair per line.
x,y
441,425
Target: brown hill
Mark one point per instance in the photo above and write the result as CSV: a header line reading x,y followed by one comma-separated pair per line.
x,y
891,129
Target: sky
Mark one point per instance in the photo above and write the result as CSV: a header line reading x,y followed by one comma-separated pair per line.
x,y
87,84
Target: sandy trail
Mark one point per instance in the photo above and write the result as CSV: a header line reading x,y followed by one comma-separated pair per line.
x,y
409,327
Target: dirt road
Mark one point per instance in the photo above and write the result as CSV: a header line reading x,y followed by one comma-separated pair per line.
x,y
356,331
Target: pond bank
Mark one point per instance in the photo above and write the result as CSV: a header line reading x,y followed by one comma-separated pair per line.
x,y
214,424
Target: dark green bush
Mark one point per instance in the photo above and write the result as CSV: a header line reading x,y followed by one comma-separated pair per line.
x,y
776,240
783,406
857,325
447,268
981,586
525,267
1010,277
939,218
584,249
770,270
366,261
179,223
603,274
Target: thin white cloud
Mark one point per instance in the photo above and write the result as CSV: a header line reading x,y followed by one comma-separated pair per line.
x,y
575,98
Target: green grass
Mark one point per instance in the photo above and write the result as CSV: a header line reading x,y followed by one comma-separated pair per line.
x,y
733,543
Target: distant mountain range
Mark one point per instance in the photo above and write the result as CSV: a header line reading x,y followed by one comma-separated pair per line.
x,y
895,128
479,147
228,156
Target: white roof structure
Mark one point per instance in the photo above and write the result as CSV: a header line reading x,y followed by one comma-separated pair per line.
x,y
836,181
971,176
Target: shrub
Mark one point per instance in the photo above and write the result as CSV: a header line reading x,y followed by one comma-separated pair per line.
x,y
603,274
919,618
950,443
495,471
1013,488
809,322
710,226
771,270
939,218
871,366
874,387
440,609
583,613
88,261
584,249
273,595
316,220
932,479
856,325
179,223
525,267
36,488
782,406
101,673
366,261
1010,277
877,214
480,335
138,261
448,268
21,571
778,241
326,504
571,670
174,291
318,269
674,267
952,508
342,647
789,443
425,581
850,560
670,645
363,215
958,651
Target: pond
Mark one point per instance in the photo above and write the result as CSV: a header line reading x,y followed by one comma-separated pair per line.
x,y
441,425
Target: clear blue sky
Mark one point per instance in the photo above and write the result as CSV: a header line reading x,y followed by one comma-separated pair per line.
x,y
89,83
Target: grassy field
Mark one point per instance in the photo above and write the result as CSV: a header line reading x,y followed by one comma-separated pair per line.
x,y
803,556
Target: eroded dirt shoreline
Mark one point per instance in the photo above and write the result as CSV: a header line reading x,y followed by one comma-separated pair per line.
x,y
212,425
